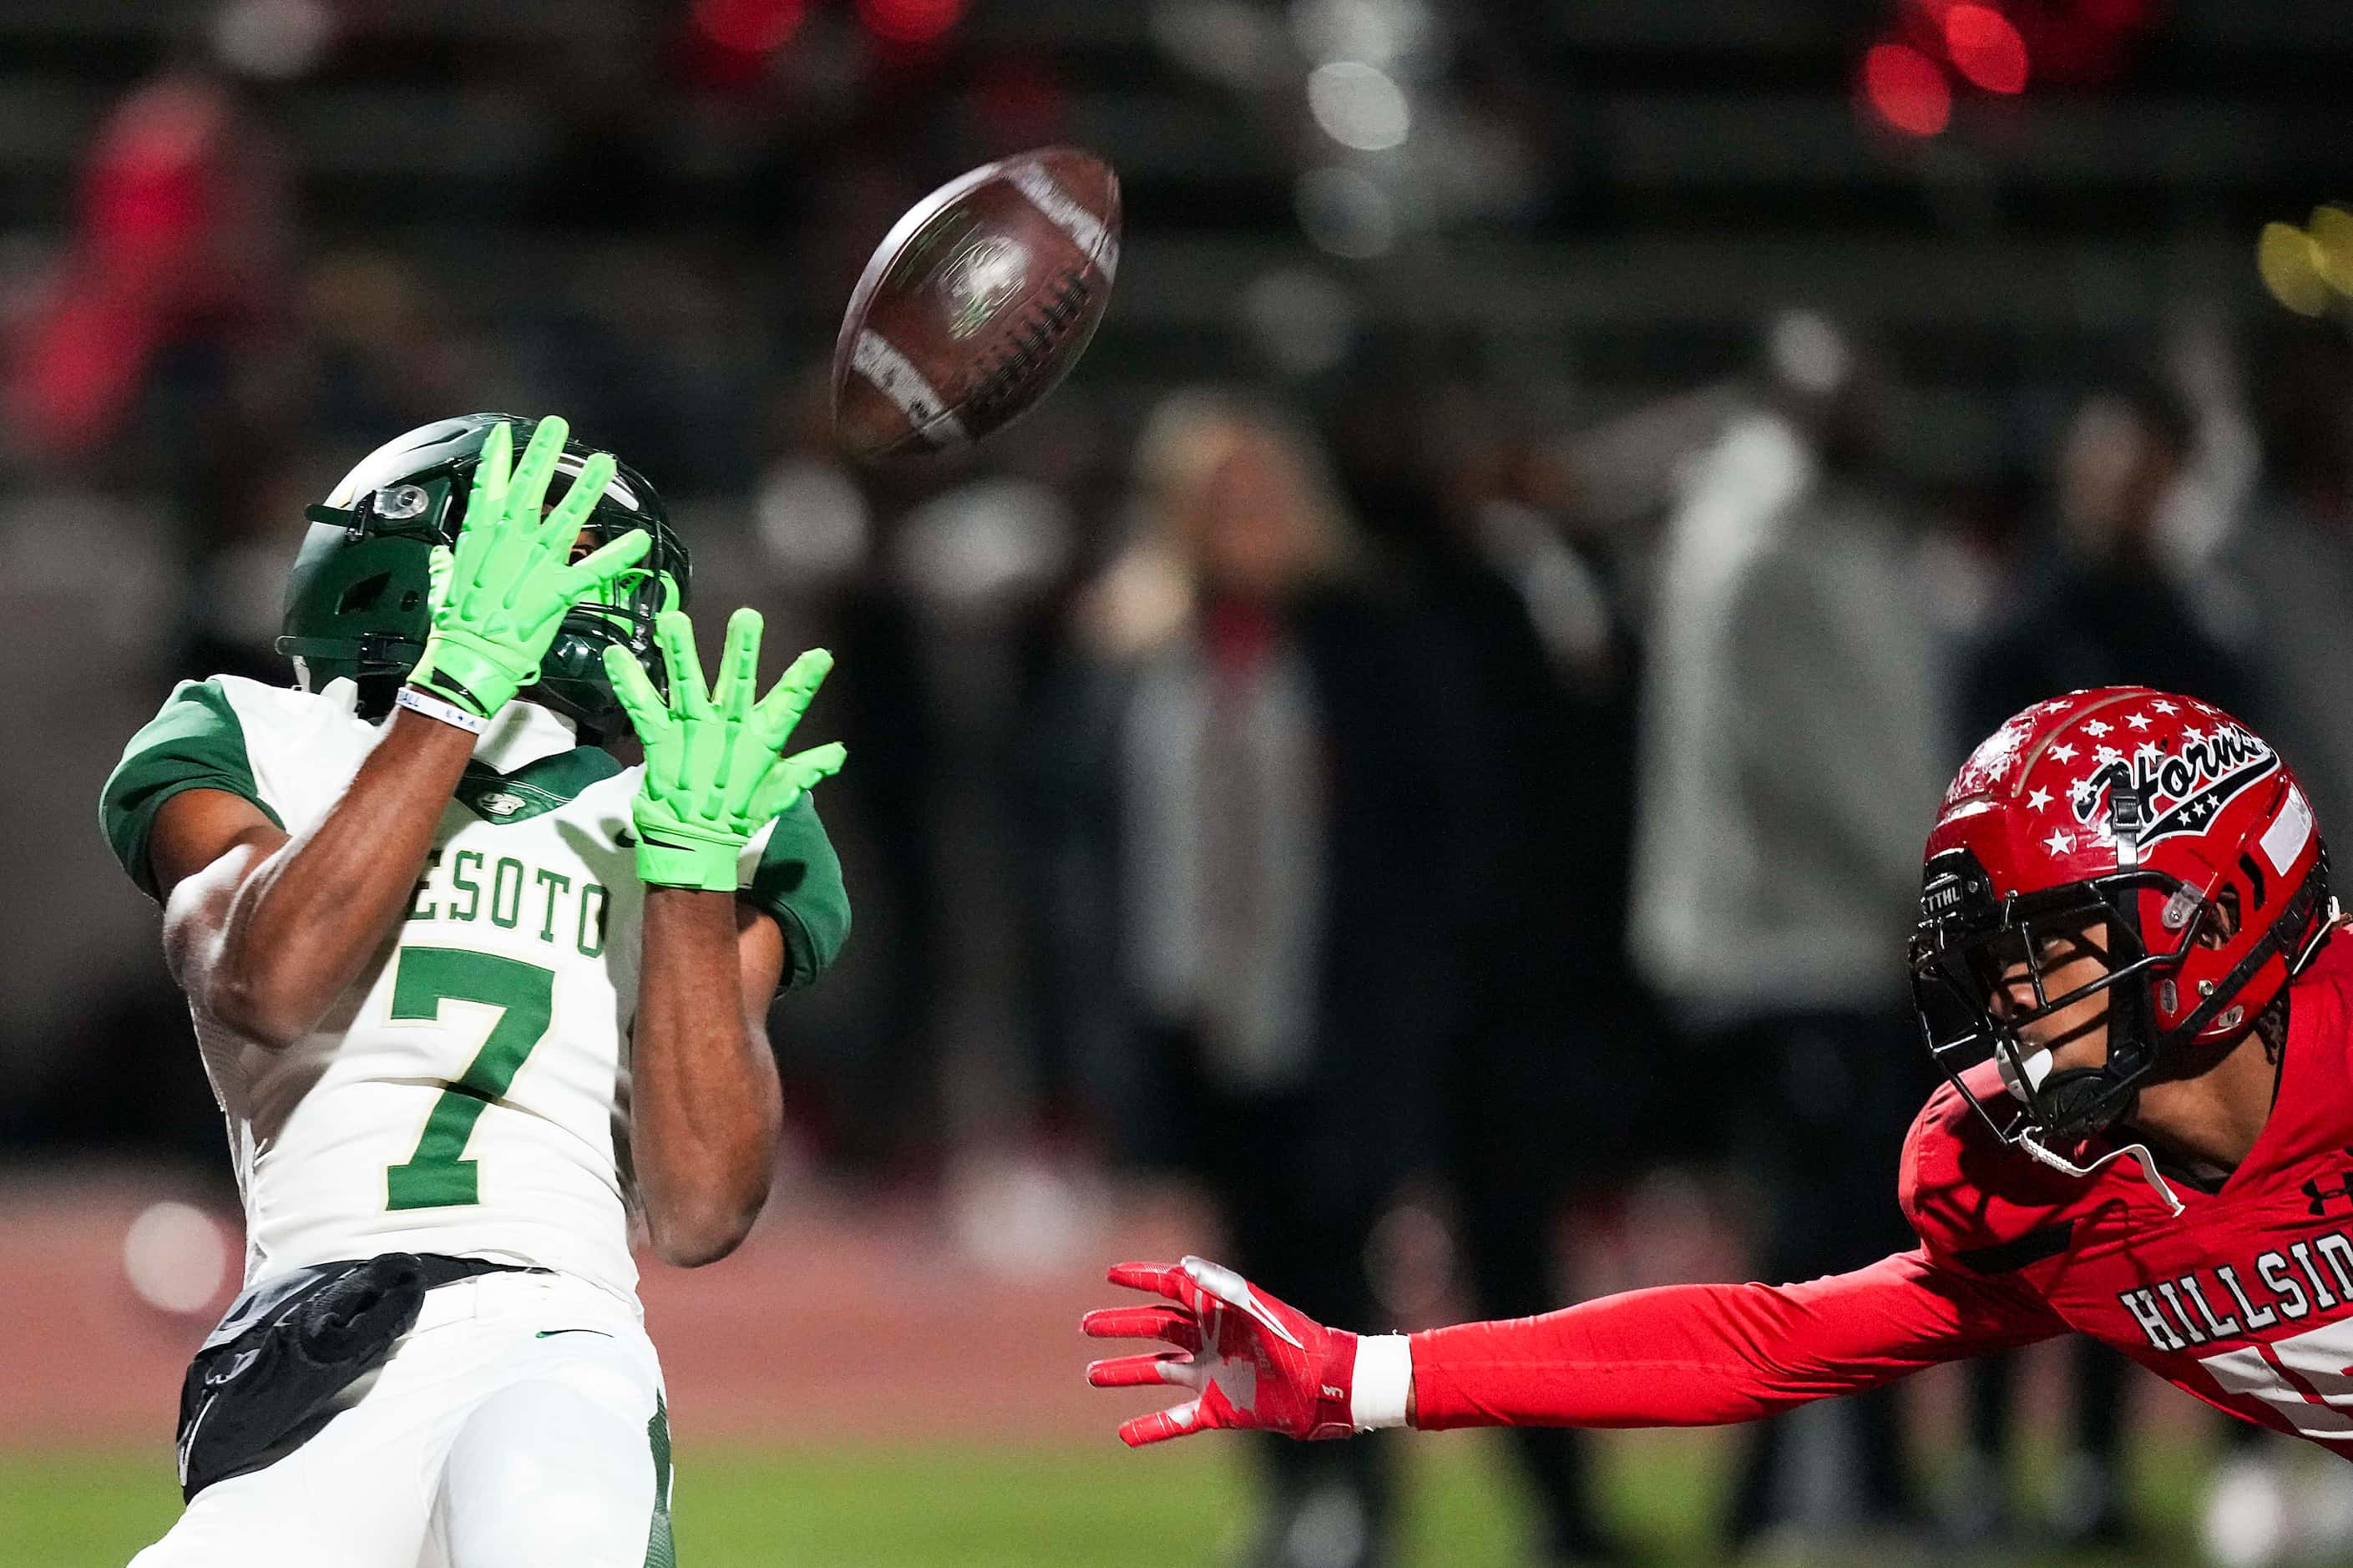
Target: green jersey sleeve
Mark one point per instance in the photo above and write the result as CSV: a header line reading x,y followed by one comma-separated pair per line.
x,y
798,880
195,742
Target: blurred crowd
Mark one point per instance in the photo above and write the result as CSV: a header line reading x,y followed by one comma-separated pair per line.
x,y
1326,789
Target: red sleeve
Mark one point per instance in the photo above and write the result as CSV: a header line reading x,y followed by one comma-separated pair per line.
x,y
1700,1355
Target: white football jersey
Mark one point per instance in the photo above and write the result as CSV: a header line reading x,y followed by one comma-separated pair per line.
x,y
468,1093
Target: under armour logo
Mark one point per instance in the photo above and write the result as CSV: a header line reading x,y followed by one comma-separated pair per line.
x,y
2323,1196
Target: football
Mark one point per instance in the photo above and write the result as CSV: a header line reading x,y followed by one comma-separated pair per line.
x,y
975,304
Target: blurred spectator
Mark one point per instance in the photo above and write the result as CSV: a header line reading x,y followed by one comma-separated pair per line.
x,y
1258,773
177,252
933,585
861,1075
2293,557
1792,734
2099,608
1542,1079
117,398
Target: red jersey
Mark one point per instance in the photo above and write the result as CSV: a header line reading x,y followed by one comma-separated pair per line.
x,y
2245,1298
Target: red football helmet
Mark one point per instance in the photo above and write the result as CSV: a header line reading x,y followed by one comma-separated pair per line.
x,y
2157,815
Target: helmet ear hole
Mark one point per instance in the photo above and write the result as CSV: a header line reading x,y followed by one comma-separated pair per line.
x,y
364,593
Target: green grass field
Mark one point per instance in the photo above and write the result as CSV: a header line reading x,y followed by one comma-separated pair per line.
x,y
962,1507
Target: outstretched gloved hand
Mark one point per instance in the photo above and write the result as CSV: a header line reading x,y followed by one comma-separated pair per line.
x,y
1250,1361
499,596
714,773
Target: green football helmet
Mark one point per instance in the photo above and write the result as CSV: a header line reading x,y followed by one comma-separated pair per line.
x,y
356,601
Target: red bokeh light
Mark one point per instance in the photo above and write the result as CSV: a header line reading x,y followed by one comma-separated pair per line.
x,y
909,21
749,26
1985,48
1904,88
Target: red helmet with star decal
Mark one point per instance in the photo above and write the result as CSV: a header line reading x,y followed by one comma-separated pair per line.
x,y
2157,817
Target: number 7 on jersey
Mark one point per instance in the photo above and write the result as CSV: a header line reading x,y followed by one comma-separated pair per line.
x,y
438,1175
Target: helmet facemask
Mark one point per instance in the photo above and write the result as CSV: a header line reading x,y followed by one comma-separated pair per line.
x,y
1966,943
619,614
1974,961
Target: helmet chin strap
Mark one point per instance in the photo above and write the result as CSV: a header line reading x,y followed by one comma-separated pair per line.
x,y
2030,1140
2077,1091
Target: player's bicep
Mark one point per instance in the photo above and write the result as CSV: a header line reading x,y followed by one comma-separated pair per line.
x,y
197,828
204,843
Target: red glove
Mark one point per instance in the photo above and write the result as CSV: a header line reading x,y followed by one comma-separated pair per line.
x,y
1250,1360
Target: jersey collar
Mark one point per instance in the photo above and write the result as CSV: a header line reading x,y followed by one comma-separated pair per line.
x,y
522,732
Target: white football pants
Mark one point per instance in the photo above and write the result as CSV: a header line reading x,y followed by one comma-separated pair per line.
x,y
519,1424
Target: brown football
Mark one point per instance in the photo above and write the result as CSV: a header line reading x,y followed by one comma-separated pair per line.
x,y
976,303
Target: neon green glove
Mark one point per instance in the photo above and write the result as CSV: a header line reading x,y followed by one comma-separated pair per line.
x,y
713,775
499,597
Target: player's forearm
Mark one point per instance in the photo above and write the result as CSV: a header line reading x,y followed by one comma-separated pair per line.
x,y
1696,1355
705,1111
1650,1358
304,923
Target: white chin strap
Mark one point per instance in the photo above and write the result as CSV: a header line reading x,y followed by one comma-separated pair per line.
x,y
2033,1145
2020,1077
